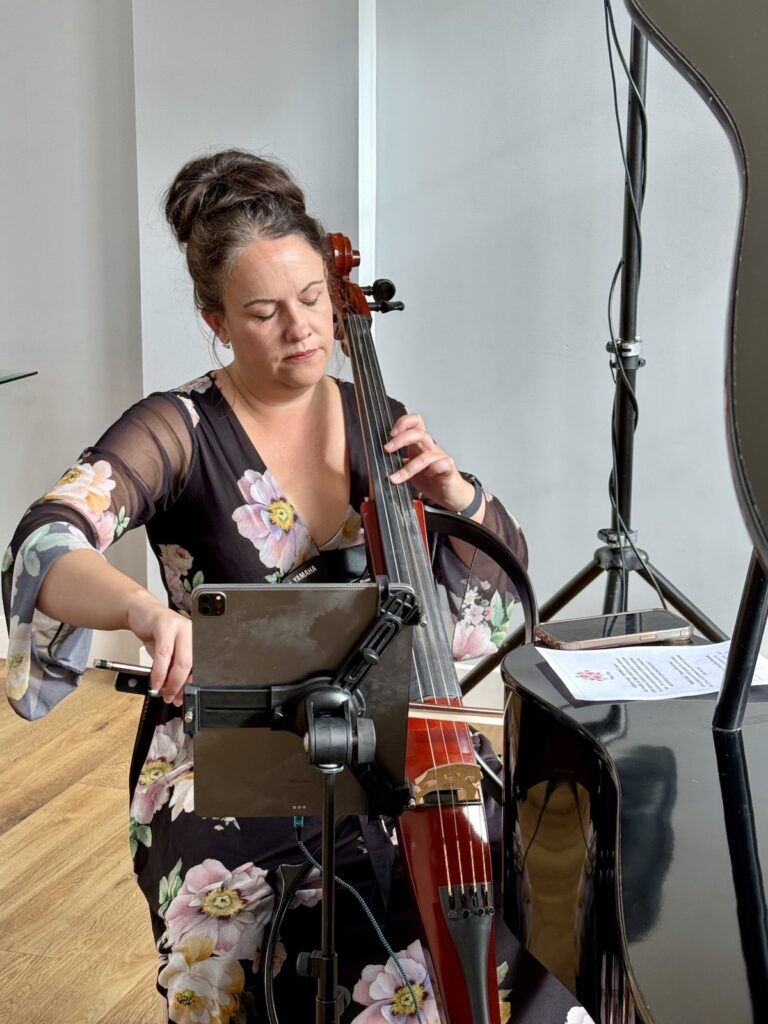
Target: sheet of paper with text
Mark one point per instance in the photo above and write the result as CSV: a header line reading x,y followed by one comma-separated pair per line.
x,y
644,672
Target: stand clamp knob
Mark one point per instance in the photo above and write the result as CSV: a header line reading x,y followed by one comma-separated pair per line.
x,y
626,350
304,965
338,737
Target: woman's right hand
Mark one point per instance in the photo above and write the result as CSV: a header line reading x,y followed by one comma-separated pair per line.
x,y
168,638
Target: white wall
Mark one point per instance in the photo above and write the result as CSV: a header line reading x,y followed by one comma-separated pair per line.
x,y
278,79
69,286
500,201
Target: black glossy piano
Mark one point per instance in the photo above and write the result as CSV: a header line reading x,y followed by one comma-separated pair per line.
x,y
629,862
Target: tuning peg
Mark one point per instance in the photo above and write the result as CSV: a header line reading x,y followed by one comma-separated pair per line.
x,y
382,289
386,307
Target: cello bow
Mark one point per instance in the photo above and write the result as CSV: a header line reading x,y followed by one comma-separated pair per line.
x,y
443,836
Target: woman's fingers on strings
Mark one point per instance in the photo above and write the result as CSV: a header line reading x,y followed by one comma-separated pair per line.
x,y
408,436
432,463
406,422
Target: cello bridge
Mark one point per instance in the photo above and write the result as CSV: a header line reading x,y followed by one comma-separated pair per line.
x,y
448,783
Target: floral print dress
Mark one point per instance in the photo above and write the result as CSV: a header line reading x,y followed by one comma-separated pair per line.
x,y
180,464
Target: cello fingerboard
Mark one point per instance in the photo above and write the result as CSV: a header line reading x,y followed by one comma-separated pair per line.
x,y
402,543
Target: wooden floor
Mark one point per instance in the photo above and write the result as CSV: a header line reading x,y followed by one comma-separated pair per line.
x,y
75,942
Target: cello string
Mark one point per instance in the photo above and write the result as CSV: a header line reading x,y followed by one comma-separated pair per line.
x,y
403,519
418,559
368,416
413,540
396,523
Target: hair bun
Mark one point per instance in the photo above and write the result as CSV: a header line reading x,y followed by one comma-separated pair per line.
x,y
209,186
218,204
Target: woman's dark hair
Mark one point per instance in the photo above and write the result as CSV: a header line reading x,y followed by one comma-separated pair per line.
x,y
218,204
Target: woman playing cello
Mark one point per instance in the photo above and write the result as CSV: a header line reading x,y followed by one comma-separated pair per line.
x,y
238,476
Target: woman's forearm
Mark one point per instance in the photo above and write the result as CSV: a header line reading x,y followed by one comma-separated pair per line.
x,y
82,589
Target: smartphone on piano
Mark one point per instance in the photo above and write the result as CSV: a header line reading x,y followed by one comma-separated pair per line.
x,y
621,629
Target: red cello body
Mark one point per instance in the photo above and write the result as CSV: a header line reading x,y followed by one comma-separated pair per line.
x,y
443,837
447,858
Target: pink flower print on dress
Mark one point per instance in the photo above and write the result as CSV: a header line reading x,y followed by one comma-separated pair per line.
x,y
311,892
175,557
475,614
177,562
85,485
270,523
105,529
388,999
471,641
199,384
169,758
181,598
231,908
183,798
87,488
202,989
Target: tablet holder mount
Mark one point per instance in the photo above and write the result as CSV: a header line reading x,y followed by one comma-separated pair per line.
x,y
327,711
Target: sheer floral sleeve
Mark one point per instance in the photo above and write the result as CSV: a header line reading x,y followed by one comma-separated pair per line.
x,y
477,595
139,465
480,594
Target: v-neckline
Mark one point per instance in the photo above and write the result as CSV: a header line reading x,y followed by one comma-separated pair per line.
x,y
252,451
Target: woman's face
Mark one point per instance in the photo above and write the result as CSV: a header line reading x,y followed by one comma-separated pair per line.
x,y
277,315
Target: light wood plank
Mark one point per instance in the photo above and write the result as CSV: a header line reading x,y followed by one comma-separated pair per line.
x,y
110,775
138,1004
67,869
20,985
75,941
85,751
94,694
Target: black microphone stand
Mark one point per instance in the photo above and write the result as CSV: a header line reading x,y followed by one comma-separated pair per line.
x,y
619,555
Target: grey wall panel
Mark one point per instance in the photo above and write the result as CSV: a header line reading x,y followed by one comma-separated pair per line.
x,y
279,79
69,283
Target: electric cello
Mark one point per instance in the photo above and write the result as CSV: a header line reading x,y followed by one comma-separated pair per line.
x,y
443,836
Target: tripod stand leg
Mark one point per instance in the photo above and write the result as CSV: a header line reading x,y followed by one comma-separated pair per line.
x,y
680,602
616,590
572,589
